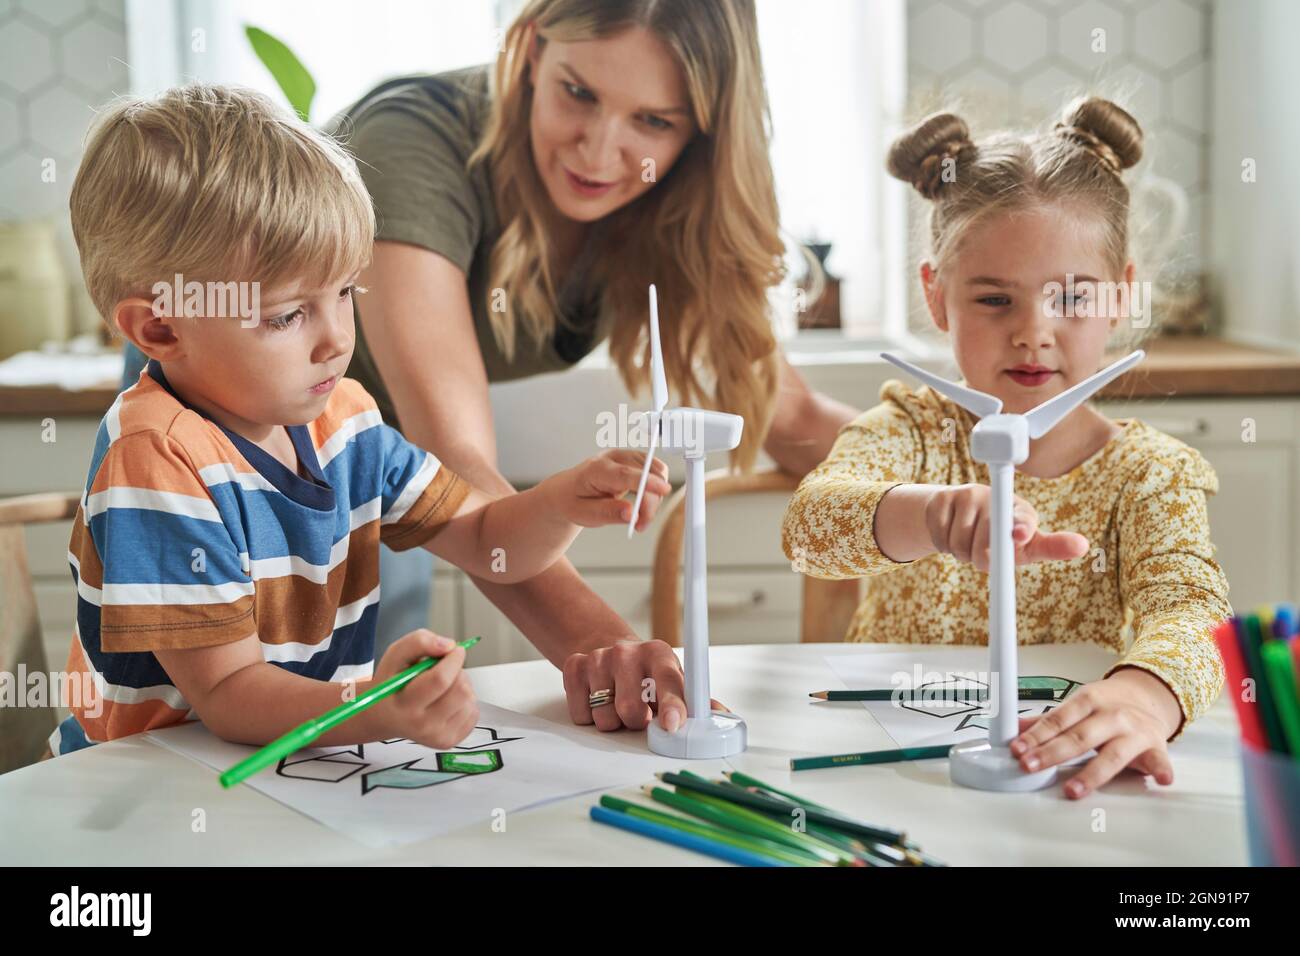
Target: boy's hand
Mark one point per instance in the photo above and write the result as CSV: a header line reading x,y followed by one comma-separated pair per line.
x,y
958,519
591,494
1127,718
437,708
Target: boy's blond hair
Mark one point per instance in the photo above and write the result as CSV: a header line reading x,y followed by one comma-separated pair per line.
x,y
217,184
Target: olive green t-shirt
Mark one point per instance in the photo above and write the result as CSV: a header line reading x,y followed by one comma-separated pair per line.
x,y
412,138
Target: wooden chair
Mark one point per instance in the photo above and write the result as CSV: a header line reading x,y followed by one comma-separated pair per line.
x,y
24,730
827,605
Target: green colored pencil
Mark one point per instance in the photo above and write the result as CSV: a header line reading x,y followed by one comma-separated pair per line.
x,y
760,802
874,852
911,850
928,697
302,735
745,780
869,756
839,840
710,832
728,816
779,826
870,853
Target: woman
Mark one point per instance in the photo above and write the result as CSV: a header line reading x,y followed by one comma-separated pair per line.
x,y
522,215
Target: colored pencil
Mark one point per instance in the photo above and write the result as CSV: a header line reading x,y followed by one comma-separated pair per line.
x,y
721,813
744,780
888,853
760,802
681,838
870,757
708,830
927,697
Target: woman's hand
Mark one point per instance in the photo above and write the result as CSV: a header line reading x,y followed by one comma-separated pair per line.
x,y
1126,718
644,677
591,494
958,517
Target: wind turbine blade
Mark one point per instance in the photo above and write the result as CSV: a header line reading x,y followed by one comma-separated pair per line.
x,y
969,399
1045,417
645,473
659,396
658,383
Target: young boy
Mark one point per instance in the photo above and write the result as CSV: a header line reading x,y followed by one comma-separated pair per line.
x,y
226,551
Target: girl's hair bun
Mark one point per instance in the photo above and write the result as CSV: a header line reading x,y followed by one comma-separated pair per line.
x,y
918,156
1105,130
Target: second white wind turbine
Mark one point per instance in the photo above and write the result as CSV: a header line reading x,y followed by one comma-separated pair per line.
x,y
1002,442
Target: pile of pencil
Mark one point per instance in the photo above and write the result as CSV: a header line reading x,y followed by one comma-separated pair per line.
x,y
1261,659
743,820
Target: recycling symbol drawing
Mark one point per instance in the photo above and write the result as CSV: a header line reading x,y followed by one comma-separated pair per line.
x,y
478,754
976,714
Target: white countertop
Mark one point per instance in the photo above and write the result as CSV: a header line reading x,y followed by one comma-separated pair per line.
x,y
131,801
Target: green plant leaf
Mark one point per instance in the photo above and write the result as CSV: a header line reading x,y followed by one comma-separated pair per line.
x,y
294,79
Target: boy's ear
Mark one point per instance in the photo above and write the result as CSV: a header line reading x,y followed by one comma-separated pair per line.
x,y
934,295
158,337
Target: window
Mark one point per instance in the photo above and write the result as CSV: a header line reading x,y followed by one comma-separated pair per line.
x,y
349,47
836,84
835,74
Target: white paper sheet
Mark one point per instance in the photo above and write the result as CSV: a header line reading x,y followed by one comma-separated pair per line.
x,y
393,792
1061,666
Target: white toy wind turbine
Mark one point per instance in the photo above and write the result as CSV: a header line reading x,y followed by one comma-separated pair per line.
x,y
1001,441
692,432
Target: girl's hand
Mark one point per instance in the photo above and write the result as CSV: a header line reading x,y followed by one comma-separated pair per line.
x,y
1126,718
958,517
591,494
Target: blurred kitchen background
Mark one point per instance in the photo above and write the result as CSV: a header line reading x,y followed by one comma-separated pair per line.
x,y
1213,84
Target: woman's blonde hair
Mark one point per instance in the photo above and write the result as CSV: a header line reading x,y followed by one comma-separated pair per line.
x,y
215,183
706,234
1078,163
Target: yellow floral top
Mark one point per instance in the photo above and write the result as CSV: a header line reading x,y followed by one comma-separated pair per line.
x,y
1150,574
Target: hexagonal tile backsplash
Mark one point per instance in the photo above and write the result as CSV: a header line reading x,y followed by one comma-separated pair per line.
x,y
1016,62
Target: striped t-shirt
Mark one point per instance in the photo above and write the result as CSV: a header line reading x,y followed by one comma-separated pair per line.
x,y
189,535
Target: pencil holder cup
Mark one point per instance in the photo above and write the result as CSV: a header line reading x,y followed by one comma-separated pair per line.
x,y
1272,785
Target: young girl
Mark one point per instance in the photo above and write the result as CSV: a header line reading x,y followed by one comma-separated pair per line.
x,y
1023,229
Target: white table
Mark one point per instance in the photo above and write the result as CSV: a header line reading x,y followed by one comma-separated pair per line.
x,y
132,801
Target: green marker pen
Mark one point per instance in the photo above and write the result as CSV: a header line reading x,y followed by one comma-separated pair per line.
x,y
302,735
